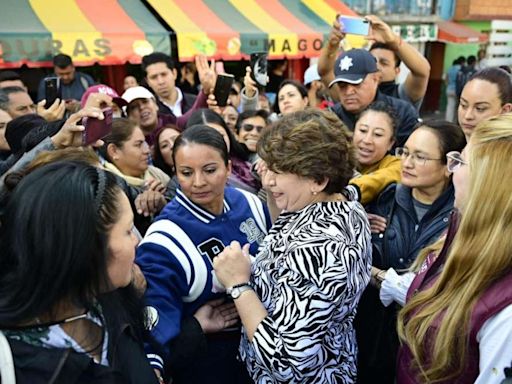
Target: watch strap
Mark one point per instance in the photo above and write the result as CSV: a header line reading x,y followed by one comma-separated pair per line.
x,y
230,289
236,290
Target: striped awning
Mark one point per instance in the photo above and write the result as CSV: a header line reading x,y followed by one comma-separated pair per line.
x,y
90,31
232,29
452,32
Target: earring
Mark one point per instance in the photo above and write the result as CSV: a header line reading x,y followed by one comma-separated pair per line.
x,y
314,193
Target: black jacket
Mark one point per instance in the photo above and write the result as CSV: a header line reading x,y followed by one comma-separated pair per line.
x,y
406,114
186,103
397,247
405,236
128,363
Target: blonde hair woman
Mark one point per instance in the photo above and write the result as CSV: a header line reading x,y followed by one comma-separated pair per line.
x,y
456,325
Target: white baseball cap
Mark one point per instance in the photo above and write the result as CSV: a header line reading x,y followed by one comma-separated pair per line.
x,y
311,74
137,93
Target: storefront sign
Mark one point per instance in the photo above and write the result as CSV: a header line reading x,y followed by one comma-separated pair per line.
x,y
413,33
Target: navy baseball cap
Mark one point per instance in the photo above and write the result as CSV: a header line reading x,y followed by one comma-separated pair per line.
x,y
352,66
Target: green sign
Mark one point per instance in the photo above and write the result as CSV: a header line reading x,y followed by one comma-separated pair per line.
x,y
416,32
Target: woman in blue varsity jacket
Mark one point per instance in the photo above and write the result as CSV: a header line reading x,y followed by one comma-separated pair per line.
x,y
185,302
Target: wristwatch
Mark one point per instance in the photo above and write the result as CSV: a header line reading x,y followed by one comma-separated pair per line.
x,y
236,290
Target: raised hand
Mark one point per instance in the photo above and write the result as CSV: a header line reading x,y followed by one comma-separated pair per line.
x,y
382,33
53,112
70,135
249,83
206,73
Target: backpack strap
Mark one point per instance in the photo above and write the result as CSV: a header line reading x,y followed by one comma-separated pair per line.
x,y
84,82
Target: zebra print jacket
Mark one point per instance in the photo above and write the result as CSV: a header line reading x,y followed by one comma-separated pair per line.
x,y
310,273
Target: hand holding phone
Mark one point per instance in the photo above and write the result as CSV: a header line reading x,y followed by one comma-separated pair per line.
x,y
259,68
222,88
52,90
96,129
354,25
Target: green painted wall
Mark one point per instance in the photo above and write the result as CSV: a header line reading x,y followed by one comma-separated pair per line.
x,y
455,50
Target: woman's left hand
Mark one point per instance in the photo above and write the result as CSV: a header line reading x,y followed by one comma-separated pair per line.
x,y
233,265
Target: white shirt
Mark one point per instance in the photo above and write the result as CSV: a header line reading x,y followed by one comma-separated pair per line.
x,y
495,345
176,108
494,338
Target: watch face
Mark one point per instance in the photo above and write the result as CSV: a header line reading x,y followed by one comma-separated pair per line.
x,y
235,293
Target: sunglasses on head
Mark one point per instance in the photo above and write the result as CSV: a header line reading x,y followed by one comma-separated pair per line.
x,y
250,127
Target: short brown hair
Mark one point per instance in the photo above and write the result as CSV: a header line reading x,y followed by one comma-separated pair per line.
x,y
312,144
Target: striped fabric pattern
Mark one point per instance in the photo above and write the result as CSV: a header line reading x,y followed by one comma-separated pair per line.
x,y
310,273
90,31
232,29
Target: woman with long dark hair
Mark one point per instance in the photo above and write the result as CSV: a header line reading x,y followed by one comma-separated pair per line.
x,y
67,305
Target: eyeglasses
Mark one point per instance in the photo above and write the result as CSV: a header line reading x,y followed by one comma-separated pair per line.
x,y
454,161
415,157
250,127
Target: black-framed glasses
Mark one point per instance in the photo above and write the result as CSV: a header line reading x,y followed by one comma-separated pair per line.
x,y
454,161
250,127
417,158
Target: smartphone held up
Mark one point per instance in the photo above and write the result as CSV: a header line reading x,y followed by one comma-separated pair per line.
x,y
52,90
96,129
222,88
259,68
354,25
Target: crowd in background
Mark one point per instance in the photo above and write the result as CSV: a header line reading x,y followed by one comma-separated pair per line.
x,y
314,232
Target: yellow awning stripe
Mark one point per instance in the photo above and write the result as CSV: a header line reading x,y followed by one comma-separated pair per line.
x,y
277,33
69,29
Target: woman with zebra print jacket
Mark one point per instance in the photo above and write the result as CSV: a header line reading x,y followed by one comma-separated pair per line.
x,y
298,300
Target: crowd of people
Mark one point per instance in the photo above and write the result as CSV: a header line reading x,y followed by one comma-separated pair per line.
x,y
315,232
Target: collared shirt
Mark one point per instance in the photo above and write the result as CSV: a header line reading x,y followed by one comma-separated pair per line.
x,y
176,108
309,274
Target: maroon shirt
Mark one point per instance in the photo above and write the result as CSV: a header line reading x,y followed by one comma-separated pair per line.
x,y
497,297
180,122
